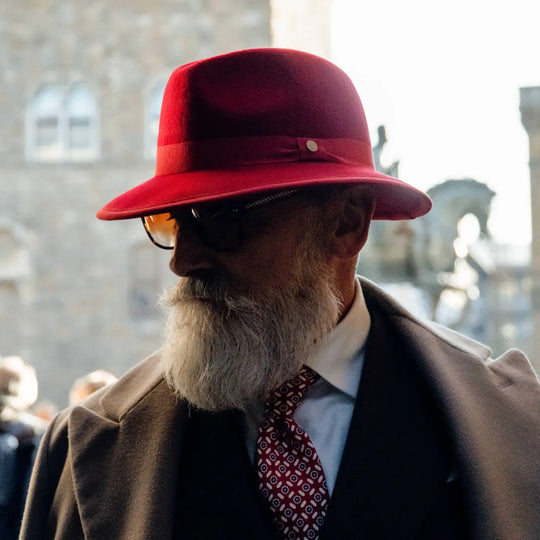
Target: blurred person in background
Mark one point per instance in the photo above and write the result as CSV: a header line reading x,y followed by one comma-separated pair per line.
x,y
88,384
291,398
20,433
46,410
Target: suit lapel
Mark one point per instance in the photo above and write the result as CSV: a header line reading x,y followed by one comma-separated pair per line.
x,y
393,462
132,494
219,495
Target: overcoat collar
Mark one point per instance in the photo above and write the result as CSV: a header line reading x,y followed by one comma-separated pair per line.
x,y
492,409
124,458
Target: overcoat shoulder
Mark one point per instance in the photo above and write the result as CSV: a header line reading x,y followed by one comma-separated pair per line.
x,y
104,467
492,408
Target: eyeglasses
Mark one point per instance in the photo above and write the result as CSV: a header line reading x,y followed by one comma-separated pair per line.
x,y
218,225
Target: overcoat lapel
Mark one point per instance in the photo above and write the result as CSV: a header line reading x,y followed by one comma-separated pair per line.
x,y
394,462
491,408
186,473
125,470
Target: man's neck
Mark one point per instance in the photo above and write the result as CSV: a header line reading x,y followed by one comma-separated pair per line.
x,y
346,287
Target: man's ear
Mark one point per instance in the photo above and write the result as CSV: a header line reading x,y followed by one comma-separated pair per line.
x,y
352,222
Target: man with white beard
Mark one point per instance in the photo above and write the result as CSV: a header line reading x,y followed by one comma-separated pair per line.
x,y
227,345
291,398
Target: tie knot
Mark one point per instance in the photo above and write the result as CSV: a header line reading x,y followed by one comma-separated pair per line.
x,y
284,399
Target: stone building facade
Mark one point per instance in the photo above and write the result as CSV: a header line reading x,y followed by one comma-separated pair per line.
x,y
80,94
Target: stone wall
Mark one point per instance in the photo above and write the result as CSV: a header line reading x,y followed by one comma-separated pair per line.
x,y
64,275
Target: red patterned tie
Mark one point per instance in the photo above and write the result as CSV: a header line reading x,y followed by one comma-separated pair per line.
x,y
291,477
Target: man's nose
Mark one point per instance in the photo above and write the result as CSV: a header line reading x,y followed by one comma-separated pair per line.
x,y
190,254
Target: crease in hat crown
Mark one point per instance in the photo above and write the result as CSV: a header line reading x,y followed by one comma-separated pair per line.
x,y
258,120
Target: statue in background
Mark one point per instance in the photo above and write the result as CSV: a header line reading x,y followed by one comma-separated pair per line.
x,y
423,252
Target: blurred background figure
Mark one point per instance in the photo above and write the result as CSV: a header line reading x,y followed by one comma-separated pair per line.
x,y
46,410
88,384
20,433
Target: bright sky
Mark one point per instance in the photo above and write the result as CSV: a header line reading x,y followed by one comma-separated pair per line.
x,y
444,79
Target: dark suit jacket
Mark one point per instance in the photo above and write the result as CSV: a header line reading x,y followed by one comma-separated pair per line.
x,y
443,443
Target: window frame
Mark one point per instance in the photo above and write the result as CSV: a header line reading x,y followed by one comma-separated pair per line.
x,y
62,151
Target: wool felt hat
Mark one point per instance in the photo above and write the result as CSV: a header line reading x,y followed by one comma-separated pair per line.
x,y
257,120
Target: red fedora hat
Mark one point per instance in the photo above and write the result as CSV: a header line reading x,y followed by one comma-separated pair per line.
x,y
259,120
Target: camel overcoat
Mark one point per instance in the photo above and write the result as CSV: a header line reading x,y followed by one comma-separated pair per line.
x,y
111,468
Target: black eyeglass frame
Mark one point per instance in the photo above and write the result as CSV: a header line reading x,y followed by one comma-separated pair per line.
x,y
203,224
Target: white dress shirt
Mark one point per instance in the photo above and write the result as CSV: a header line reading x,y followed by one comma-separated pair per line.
x,y
325,411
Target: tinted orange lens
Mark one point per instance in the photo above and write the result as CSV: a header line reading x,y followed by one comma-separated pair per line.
x,y
162,228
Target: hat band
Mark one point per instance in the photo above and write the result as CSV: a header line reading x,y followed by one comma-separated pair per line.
x,y
220,153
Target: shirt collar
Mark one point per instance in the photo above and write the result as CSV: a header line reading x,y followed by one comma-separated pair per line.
x,y
337,359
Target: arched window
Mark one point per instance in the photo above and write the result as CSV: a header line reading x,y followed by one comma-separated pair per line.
x,y
62,124
81,123
153,109
45,124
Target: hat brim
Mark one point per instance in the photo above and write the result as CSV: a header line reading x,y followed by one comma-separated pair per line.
x,y
394,199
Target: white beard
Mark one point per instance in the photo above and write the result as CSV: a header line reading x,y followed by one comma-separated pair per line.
x,y
226,350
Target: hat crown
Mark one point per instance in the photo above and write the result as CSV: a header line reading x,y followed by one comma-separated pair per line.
x,y
258,120
260,92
